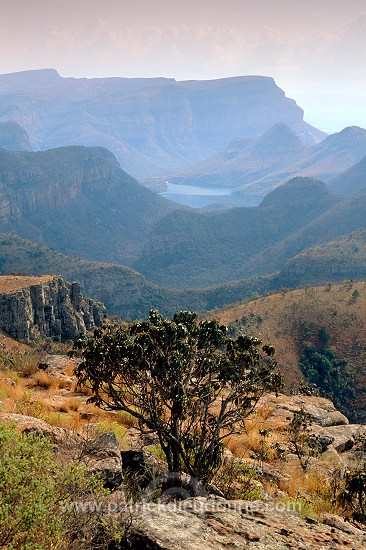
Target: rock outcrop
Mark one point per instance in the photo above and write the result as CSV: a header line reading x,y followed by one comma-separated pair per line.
x,y
47,306
214,524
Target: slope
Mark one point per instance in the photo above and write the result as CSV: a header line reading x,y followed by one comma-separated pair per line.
x,y
78,200
190,248
325,160
246,160
351,181
292,320
13,137
346,216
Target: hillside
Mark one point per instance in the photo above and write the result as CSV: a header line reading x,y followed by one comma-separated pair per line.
x,y
325,160
246,160
152,125
337,260
78,200
13,137
344,217
292,320
351,181
195,249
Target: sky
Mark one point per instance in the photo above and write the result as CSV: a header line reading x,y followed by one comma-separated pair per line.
x,y
314,49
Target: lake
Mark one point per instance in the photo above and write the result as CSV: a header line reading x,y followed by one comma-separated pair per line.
x,y
194,196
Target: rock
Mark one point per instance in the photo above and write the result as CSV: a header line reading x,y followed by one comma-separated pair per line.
x,y
103,456
321,410
341,438
28,424
48,306
340,524
215,524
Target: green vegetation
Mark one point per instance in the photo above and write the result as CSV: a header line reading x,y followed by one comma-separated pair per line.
x,y
331,375
191,248
171,375
43,505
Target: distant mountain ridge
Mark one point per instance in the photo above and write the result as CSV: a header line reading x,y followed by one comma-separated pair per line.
x,y
152,125
254,167
245,160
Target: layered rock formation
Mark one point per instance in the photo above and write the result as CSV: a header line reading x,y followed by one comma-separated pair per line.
x,y
47,306
150,124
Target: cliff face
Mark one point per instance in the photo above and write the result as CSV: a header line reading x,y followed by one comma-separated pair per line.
x,y
152,125
78,200
48,306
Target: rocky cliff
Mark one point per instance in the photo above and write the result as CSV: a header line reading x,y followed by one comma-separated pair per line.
x,y
47,306
152,125
78,200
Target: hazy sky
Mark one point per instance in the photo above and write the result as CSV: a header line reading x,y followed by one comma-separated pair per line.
x,y
314,49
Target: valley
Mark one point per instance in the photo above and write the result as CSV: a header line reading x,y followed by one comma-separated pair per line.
x,y
238,210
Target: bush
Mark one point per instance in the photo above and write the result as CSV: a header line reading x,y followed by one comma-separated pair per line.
x,y
44,506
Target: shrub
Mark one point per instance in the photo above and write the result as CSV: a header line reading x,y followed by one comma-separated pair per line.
x,y
43,505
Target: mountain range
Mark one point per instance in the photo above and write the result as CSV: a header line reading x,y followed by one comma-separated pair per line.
x,y
253,167
152,125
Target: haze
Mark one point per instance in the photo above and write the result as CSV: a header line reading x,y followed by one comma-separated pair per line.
x,y
315,50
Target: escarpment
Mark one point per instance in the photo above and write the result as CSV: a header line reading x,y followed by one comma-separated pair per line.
x,y
47,306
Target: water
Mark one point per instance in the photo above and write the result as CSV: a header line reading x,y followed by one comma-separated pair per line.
x,y
194,196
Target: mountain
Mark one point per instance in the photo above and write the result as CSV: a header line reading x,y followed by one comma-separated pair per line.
x,y
152,125
325,160
344,217
78,200
13,137
193,249
246,160
351,181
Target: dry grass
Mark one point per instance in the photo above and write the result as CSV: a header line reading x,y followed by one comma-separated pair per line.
x,y
12,283
71,404
43,380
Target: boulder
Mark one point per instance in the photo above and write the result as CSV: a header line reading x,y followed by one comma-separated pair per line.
x,y
103,456
321,410
28,424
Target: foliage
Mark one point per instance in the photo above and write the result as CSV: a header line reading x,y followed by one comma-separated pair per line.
x,y
187,381
354,494
330,374
301,442
237,480
44,506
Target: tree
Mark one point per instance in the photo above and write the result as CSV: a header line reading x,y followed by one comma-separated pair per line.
x,y
302,442
354,494
186,381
